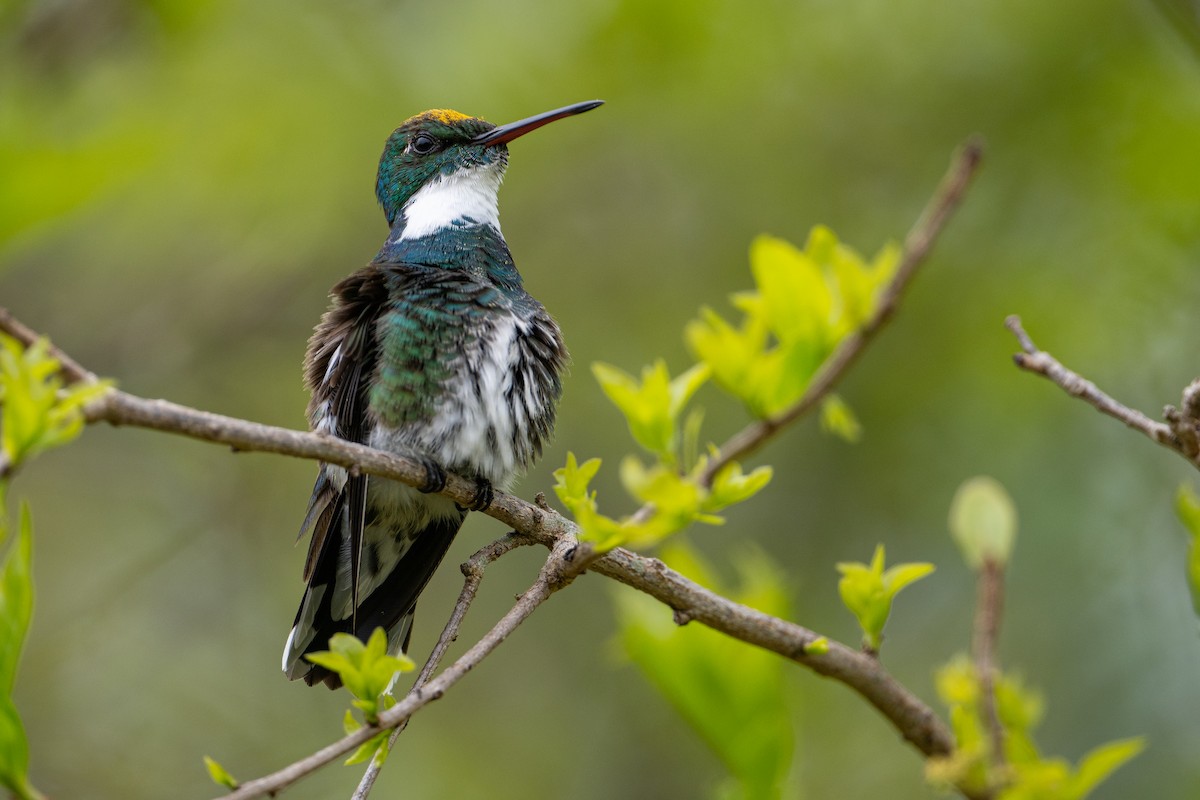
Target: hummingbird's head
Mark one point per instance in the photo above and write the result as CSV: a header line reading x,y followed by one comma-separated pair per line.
x,y
428,147
458,160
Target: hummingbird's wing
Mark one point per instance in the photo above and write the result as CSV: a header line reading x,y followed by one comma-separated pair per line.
x,y
341,356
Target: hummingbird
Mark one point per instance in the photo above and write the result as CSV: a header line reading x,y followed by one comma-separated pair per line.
x,y
435,351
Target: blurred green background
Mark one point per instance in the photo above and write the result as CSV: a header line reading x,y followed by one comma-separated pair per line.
x,y
181,182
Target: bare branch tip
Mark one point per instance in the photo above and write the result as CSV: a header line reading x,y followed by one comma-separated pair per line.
x,y
1013,323
1191,400
972,149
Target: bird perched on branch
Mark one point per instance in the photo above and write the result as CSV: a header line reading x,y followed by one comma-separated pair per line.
x,y
434,350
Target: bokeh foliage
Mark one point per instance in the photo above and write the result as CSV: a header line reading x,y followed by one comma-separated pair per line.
x,y
182,182
36,413
736,698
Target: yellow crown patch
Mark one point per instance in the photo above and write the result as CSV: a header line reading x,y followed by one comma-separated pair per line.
x,y
445,116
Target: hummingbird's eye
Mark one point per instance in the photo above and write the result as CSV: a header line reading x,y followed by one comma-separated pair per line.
x,y
423,144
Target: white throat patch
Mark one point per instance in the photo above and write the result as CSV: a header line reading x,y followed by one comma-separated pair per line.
x,y
468,192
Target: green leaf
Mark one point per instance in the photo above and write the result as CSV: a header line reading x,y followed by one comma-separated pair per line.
x,y
1187,506
571,482
16,608
868,591
797,302
737,357
376,746
956,682
685,385
14,752
837,418
334,660
672,494
219,774
366,670
967,767
859,283
571,486
380,667
817,647
604,533
1019,707
983,521
644,405
901,575
1099,763
731,486
16,601
691,438
651,407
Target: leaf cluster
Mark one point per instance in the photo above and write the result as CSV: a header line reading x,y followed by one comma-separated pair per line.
x,y
367,671
807,302
676,500
805,305
1025,774
983,520
36,411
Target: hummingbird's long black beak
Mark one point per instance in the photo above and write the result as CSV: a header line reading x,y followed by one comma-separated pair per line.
x,y
506,133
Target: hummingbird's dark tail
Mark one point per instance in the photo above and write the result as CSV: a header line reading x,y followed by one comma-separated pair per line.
x,y
395,567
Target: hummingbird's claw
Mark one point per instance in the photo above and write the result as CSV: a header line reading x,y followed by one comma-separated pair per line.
x,y
435,476
484,494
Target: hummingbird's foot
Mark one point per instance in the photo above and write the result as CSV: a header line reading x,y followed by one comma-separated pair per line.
x,y
483,495
435,476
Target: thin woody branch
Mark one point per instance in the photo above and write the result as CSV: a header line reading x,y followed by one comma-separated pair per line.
x,y
915,720
472,570
989,609
690,601
558,572
1181,431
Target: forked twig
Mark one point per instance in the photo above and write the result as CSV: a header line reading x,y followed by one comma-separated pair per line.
x,y
472,570
1180,433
